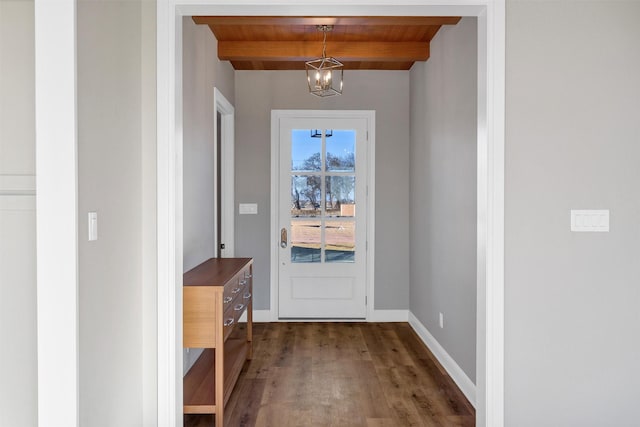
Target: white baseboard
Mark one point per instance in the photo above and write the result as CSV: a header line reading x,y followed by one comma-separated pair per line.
x,y
390,316
467,386
378,316
262,316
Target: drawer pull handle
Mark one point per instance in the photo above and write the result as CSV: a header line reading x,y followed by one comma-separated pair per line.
x,y
238,307
228,322
248,276
236,290
227,300
243,282
247,295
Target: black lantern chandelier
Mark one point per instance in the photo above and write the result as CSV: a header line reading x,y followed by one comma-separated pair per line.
x,y
325,75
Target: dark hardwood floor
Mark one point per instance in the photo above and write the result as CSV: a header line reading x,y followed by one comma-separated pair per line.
x,y
342,374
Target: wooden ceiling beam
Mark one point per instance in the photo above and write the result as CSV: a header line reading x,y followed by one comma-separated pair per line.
x,y
299,65
328,20
304,51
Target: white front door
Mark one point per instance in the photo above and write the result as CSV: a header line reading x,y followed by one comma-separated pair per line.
x,y
322,217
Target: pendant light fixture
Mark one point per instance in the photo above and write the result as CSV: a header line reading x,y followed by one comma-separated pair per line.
x,y
325,75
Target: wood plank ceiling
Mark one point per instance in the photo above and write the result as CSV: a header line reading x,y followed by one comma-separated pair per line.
x,y
360,43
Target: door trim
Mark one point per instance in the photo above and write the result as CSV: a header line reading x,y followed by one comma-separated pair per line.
x,y
56,189
491,147
370,117
227,148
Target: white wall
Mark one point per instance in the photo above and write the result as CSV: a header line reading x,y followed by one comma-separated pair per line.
x,y
116,179
572,141
386,92
202,71
18,362
443,191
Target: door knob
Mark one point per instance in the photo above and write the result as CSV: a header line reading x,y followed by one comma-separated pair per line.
x,y
283,238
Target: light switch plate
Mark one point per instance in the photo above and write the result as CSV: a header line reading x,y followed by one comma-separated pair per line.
x,y
93,226
248,209
590,220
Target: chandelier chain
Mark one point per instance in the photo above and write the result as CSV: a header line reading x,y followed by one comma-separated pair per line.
x,y
325,29
324,44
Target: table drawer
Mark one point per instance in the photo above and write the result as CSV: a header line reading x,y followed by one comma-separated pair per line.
x,y
233,313
232,290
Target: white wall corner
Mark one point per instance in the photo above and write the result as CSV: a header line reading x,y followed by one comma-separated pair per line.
x,y
461,379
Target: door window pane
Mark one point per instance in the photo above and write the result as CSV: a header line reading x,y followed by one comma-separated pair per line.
x,y
305,241
340,194
340,241
305,195
305,151
341,151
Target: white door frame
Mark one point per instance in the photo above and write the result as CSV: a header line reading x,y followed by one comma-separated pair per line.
x,y
491,105
227,149
56,212
370,116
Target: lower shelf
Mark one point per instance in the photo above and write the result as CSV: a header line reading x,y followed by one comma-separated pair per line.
x,y
199,383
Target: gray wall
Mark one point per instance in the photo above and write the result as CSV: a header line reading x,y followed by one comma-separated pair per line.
x,y
386,92
17,69
443,191
149,207
202,71
572,142
18,362
115,143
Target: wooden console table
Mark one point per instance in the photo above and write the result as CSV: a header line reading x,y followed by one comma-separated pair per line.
x,y
215,294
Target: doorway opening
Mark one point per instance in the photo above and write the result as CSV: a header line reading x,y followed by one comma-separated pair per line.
x,y
224,212
491,29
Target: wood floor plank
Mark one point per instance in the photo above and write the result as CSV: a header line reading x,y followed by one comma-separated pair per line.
x,y
244,405
381,422
342,375
283,414
458,421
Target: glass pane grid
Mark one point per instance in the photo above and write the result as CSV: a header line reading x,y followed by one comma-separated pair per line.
x,y
323,196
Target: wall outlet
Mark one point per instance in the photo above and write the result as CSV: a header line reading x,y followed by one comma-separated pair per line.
x,y
441,320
